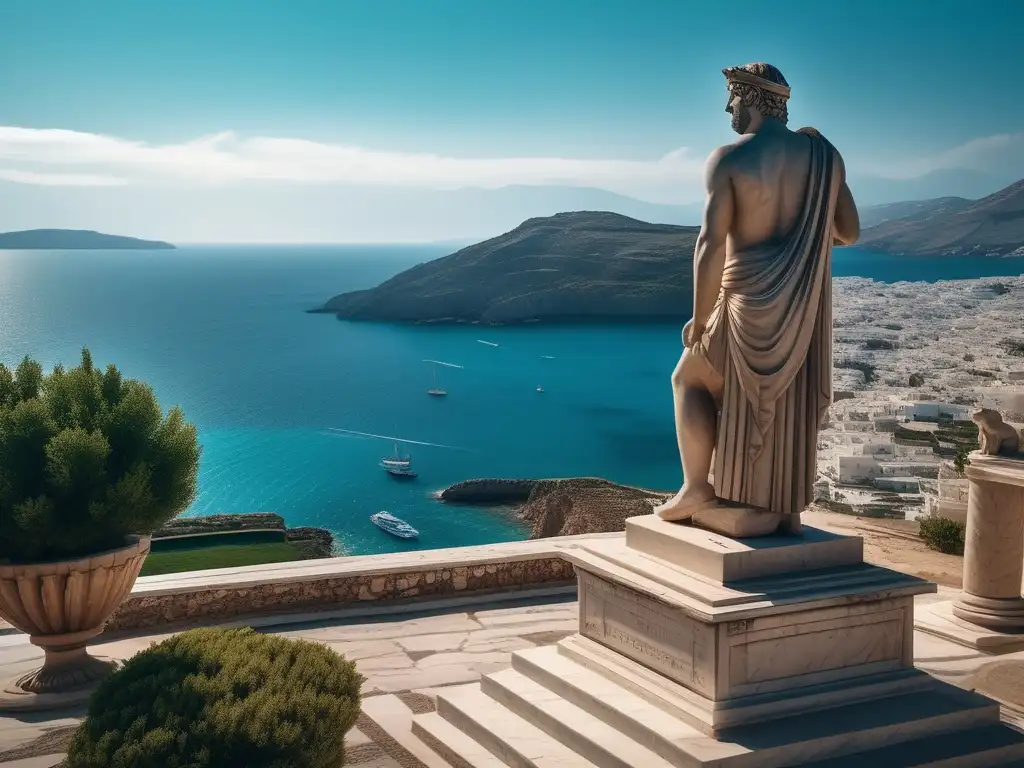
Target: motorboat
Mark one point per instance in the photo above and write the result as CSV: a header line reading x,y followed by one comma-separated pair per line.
x,y
393,525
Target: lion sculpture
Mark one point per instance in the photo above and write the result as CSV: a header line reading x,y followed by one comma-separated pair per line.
x,y
994,435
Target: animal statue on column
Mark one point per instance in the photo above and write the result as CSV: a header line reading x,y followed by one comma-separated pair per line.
x,y
995,436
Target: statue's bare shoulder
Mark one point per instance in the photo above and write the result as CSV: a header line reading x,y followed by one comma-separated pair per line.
x,y
723,162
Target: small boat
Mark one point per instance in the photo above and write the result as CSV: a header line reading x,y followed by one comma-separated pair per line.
x,y
436,391
398,465
393,525
540,388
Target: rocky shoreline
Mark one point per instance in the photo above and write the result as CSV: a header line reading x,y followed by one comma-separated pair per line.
x,y
560,507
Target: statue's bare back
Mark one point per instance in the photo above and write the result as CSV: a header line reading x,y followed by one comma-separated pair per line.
x,y
768,172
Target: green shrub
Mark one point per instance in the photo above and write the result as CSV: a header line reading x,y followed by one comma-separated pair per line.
x,y
1013,347
916,380
943,534
961,459
86,458
221,698
864,367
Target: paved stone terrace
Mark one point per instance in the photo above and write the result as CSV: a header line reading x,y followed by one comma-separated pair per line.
x,y
407,656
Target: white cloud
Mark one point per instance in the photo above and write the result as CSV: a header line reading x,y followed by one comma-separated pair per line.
x,y
61,179
986,153
226,158
58,157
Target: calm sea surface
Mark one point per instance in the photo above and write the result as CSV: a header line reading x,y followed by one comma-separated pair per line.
x,y
221,331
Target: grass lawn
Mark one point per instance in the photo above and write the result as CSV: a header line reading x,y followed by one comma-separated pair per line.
x,y
223,556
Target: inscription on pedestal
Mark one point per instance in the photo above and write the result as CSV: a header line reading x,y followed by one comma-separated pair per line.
x,y
648,632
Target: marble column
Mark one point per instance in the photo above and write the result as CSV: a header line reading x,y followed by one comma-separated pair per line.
x,y
994,545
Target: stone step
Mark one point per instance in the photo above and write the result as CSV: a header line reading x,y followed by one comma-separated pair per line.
x,y
674,699
661,728
517,743
589,736
790,740
458,749
990,746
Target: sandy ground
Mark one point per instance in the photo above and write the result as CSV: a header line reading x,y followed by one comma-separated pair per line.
x,y
893,544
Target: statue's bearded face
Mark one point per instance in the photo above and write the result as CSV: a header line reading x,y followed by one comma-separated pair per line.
x,y
739,111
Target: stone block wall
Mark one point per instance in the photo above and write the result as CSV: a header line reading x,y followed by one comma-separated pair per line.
x,y
217,603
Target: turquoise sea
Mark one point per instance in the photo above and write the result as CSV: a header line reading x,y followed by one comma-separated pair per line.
x,y
221,331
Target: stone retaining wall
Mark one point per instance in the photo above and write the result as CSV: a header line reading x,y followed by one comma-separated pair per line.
x,y
179,607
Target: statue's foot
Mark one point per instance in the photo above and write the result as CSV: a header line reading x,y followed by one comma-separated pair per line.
x,y
684,504
738,522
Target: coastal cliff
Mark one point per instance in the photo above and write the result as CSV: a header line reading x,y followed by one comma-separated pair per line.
x,y
571,267
75,239
565,507
992,226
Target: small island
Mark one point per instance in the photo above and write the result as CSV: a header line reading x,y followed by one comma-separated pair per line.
x,y
75,239
568,268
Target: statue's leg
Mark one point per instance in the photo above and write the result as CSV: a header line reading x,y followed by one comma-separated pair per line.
x,y
693,392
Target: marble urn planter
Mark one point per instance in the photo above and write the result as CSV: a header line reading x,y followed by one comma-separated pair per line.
x,y
62,605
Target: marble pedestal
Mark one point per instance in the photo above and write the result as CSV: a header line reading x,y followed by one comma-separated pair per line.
x,y
989,613
697,650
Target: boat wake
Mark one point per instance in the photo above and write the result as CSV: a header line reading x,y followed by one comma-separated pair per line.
x,y
339,432
442,362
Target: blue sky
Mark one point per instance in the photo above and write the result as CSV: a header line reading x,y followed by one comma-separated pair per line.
x,y
392,92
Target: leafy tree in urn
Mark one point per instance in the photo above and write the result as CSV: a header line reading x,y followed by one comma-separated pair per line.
x,y
86,458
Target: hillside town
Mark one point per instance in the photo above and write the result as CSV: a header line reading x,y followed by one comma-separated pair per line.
x,y
913,363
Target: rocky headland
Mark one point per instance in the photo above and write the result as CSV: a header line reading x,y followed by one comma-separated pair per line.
x,y
75,239
561,507
571,267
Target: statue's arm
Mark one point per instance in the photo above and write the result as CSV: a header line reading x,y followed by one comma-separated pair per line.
x,y
847,220
709,253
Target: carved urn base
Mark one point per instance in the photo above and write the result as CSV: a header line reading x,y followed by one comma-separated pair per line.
x,y
62,606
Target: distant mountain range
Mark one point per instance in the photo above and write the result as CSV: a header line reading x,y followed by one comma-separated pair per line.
x,y
949,226
264,212
75,239
571,267
970,184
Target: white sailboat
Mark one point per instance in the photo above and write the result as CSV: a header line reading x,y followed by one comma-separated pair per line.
x,y
398,465
436,391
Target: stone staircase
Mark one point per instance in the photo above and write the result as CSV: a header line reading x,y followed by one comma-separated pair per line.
x,y
553,709
582,703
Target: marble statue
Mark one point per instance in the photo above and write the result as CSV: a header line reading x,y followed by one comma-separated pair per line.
x,y
755,378
995,436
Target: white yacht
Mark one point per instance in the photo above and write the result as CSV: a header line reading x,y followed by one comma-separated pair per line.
x,y
393,525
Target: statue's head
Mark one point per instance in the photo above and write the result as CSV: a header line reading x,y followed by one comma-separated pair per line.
x,y
756,91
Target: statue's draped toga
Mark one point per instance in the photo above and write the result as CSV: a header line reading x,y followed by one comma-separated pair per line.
x,y
770,338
